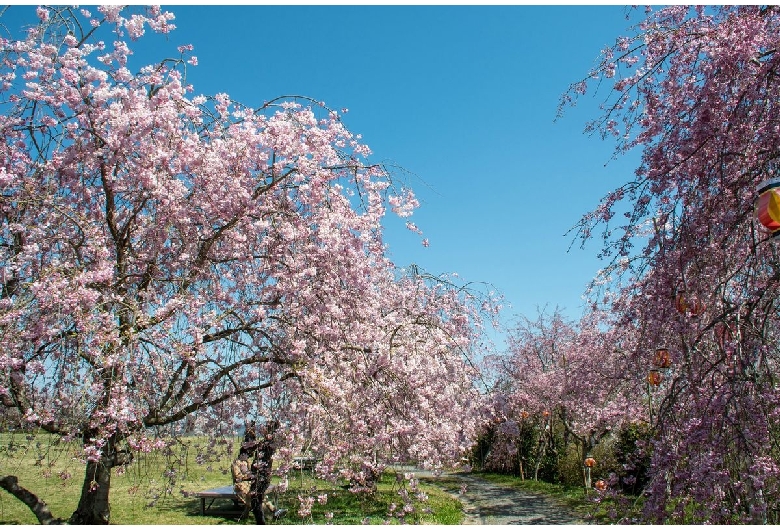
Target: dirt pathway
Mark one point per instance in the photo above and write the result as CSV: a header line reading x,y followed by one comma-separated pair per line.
x,y
488,503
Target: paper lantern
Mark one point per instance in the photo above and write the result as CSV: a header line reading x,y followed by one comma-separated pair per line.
x,y
662,358
768,205
688,303
590,462
655,377
724,333
600,485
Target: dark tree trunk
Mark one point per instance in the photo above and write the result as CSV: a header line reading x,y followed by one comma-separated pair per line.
x,y
261,467
93,506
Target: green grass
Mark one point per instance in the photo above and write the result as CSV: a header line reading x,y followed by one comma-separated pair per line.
x,y
149,493
348,508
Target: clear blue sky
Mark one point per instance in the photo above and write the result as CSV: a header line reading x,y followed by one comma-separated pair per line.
x,y
464,98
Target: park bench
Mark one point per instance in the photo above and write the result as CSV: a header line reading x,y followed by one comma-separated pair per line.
x,y
305,462
223,492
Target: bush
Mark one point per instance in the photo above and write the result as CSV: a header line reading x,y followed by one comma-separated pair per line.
x,y
503,448
632,452
570,465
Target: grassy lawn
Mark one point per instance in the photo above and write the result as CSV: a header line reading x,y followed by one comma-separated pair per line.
x,y
348,508
157,488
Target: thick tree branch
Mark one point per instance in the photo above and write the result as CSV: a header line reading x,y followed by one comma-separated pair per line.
x,y
11,484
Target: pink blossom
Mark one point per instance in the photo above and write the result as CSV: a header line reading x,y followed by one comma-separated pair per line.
x,y
191,258
306,504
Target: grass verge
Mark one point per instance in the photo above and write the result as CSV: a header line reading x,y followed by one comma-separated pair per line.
x,y
156,489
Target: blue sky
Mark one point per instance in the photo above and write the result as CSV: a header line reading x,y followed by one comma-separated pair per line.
x,y
464,99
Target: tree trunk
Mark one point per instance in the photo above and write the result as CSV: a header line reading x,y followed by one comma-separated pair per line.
x,y
588,443
93,506
540,455
261,467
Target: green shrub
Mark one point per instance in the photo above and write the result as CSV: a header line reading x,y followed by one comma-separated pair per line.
x,y
633,451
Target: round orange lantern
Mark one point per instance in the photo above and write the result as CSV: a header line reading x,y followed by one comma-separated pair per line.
x,y
690,304
655,377
600,485
768,205
590,462
546,413
662,358
724,333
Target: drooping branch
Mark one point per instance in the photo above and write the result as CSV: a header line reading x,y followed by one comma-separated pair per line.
x,y
11,484
153,419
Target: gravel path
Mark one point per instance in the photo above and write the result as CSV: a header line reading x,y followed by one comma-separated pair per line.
x,y
491,504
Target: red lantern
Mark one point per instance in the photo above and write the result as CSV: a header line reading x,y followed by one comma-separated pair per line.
x,y
590,462
724,333
690,304
768,205
600,485
662,358
655,377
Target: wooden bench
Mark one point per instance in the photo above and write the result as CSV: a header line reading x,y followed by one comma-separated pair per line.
x,y
305,462
223,492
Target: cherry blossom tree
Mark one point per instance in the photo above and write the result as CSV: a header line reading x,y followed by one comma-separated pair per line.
x,y
577,378
696,89
527,392
406,395
166,256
